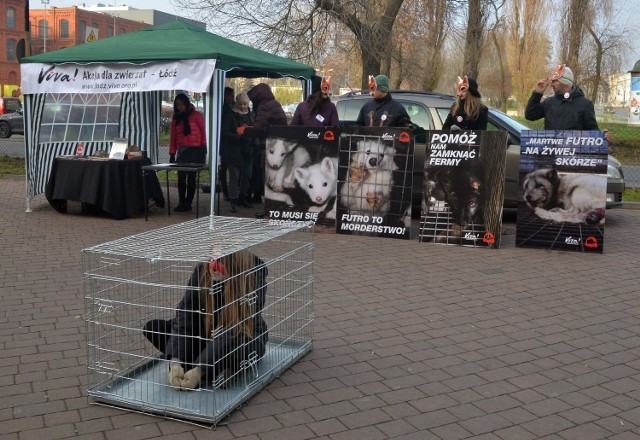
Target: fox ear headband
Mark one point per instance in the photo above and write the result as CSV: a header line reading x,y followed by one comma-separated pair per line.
x,y
557,72
216,266
372,84
326,85
463,84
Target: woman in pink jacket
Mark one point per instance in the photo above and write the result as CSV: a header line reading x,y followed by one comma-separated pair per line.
x,y
189,142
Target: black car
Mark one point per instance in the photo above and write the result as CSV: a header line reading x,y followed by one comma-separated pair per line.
x,y
11,123
430,109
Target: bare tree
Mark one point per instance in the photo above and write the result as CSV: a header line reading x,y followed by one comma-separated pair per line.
x,y
577,15
300,28
527,47
476,20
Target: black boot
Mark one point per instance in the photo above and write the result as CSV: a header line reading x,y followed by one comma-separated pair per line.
x,y
234,205
244,202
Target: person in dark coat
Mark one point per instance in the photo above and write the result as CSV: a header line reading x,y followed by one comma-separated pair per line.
x,y
227,106
382,110
239,151
317,109
215,329
468,112
567,109
268,112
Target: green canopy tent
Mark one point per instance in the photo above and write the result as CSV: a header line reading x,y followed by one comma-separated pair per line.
x,y
134,67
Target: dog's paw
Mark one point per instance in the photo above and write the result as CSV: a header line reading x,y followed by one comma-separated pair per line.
x,y
191,379
278,188
357,173
176,375
375,200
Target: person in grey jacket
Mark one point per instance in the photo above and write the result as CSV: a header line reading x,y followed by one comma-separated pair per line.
x,y
567,109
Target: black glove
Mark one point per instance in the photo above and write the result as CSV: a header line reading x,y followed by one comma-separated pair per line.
x,y
172,158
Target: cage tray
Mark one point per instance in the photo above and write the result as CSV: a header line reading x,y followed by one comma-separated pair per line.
x,y
146,388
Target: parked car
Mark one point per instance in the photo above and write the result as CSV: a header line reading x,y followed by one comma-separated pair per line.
x,y
11,123
430,109
9,104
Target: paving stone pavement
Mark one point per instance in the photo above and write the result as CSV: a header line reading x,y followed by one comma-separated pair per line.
x,y
412,341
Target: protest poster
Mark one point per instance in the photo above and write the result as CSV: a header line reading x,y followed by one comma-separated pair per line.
x,y
301,173
563,186
375,177
463,188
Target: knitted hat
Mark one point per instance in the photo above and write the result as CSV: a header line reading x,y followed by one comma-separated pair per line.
x,y
563,74
243,97
316,84
382,83
470,84
473,87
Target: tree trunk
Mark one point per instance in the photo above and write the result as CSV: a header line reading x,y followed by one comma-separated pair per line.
x,y
473,43
598,72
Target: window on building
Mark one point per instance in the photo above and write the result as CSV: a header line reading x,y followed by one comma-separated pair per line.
x,y
71,117
121,31
82,30
11,50
11,18
43,29
64,28
109,31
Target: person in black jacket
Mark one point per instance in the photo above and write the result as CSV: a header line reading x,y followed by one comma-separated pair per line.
x,y
268,112
567,109
239,151
468,112
218,323
382,110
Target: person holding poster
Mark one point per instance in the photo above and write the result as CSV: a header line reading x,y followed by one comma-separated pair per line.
x,y
268,112
468,112
189,142
382,110
567,109
317,109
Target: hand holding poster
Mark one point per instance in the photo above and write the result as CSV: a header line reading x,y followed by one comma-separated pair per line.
x,y
463,188
563,187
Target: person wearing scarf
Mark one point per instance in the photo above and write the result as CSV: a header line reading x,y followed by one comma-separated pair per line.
x,y
188,144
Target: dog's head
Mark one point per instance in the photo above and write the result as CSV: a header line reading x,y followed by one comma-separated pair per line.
x,y
318,180
539,188
462,188
277,151
373,155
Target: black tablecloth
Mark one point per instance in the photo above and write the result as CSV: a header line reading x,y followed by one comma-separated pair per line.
x,y
114,186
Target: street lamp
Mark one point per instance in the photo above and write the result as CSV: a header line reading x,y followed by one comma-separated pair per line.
x,y
46,24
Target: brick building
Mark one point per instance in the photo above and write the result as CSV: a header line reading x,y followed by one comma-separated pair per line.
x,y
12,29
52,28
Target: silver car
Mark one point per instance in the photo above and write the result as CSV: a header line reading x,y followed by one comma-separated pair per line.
x,y
430,109
11,123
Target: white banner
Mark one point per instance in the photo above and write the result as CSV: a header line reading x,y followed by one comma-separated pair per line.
x,y
191,75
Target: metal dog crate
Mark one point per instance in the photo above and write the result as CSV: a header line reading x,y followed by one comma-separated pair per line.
x,y
135,279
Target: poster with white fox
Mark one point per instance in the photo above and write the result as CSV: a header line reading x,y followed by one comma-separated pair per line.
x,y
375,178
563,190
463,188
301,173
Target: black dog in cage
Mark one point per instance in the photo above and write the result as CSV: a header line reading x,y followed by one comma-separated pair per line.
x,y
218,329
462,189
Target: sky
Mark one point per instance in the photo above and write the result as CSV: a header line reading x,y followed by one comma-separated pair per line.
x,y
631,8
